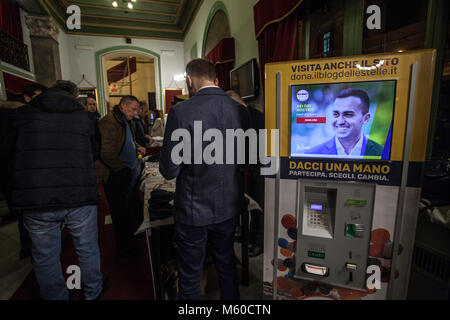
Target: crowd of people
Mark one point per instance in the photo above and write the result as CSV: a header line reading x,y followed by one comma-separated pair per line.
x,y
58,151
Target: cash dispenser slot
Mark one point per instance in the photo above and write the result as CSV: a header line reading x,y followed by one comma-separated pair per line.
x,y
315,269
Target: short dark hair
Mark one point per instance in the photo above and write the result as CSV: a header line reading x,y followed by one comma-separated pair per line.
x,y
67,86
128,100
358,93
31,88
201,68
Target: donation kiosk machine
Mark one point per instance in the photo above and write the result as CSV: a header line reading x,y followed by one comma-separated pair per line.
x,y
340,214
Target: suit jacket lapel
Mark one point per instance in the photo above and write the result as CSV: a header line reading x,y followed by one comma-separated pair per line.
x,y
365,148
331,146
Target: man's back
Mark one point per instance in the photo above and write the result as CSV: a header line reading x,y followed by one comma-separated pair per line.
x,y
53,154
206,194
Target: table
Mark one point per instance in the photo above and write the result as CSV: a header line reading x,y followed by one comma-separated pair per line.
x,y
151,179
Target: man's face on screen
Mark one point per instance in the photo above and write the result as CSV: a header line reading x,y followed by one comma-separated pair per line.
x,y
348,119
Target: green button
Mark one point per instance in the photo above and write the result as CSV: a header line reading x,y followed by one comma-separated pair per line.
x,y
351,202
315,254
350,230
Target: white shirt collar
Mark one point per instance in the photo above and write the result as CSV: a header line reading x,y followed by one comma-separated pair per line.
x,y
207,87
356,151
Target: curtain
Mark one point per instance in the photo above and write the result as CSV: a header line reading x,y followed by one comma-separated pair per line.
x,y
223,55
276,27
10,19
14,86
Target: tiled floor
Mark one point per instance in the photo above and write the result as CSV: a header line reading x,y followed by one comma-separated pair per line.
x,y
13,271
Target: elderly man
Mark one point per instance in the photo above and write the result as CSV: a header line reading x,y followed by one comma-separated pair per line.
x,y
142,136
119,152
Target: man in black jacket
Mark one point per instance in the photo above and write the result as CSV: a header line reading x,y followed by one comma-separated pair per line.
x,y
208,196
141,134
53,184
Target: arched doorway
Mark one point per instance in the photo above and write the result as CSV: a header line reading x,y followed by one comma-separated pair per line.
x,y
218,45
109,58
217,27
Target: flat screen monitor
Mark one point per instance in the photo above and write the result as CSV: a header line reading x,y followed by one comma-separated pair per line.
x,y
351,120
245,80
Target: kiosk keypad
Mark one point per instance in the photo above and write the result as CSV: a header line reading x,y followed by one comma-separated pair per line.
x,y
318,218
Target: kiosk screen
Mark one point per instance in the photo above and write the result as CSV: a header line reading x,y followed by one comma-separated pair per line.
x,y
351,120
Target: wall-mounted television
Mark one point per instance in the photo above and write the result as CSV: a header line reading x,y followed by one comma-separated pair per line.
x,y
350,120
244,80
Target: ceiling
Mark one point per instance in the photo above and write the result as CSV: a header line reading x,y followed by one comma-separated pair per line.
x,y
158,19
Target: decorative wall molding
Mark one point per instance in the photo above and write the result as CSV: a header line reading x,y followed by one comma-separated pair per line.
x,y
42,27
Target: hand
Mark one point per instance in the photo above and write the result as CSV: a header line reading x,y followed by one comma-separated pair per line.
x,y
150,140
141,151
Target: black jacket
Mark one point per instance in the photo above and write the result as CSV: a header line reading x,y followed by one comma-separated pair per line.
x,y
6,139
205,194
141,139
52,154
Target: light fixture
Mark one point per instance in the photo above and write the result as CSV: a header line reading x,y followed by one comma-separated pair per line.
x,y
129,4
180,77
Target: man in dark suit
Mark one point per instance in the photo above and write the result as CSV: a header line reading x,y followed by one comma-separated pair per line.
x,y
208,196
350,113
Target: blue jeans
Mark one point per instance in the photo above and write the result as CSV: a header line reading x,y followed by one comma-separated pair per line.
x,y
44,227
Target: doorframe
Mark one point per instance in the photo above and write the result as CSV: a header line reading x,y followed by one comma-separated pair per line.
x,y
101,72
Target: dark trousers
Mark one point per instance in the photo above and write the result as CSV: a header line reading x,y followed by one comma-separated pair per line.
x,y
124,206
191,246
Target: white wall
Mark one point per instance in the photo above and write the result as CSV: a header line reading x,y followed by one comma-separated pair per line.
x,y
64,55
240,15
